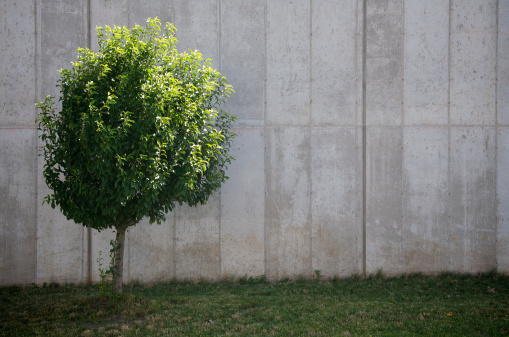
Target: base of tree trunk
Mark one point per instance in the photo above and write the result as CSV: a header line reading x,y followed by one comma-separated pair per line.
x,y
119,259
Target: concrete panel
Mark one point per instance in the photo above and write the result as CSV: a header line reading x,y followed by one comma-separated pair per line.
x,y
197,25
360,64
384,35
425,229
61,244
61,248
243,56
17,68
64,29
150,254
503,16
287,202
334,83
503,65
18,222
472,205
384,63
384,249
474,16
107,13
141,10
426,63
242,207
197,244
503,200
384,91
503,5
336,212
101,247
473,62
384,6
288,63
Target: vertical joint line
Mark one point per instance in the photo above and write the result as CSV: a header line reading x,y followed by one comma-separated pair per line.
x,y
310,182
402,79
449,68
497,25
364,164
265,28
89,229
449,124
402,125
497,33
220,33
36,96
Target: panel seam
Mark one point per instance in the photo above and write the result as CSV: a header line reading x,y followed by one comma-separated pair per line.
x,y
89,229
37,95
449,130
219,56
364,136
265,25
310,168
497,32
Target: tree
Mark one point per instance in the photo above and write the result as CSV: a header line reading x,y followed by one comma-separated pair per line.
x,y
140,129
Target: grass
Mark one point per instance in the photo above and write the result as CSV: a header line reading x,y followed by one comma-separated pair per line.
x,y
412,305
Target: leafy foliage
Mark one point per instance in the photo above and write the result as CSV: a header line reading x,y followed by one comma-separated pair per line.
x,y
139,130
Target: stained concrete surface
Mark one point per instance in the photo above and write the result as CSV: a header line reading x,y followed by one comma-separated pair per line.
x,y
433,92
18,231
245,190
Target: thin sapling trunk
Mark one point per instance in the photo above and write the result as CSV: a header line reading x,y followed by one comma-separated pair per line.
x,y
118,276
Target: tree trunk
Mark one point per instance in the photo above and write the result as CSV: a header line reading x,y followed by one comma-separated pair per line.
x,y
119,259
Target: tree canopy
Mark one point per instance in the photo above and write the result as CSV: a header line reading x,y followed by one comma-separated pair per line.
x,y
140,129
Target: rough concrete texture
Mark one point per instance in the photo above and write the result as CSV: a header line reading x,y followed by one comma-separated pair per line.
x,y
384,246
503,64
503,200
472,205
151,247
18,74
384,65
198,25
426,62
18,254
242,56
417,103
334,84
288,66
243,206
425,224
473,62
61,244
197,241
335,203
287,202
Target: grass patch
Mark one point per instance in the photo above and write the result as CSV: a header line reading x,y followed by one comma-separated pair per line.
x,y
452,305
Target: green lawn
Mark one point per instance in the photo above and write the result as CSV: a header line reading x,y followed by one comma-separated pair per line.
x,y
447,305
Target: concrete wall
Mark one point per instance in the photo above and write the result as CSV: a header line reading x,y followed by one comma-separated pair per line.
x,y
372,135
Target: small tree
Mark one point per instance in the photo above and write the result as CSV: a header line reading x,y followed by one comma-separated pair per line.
x,y
139,130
